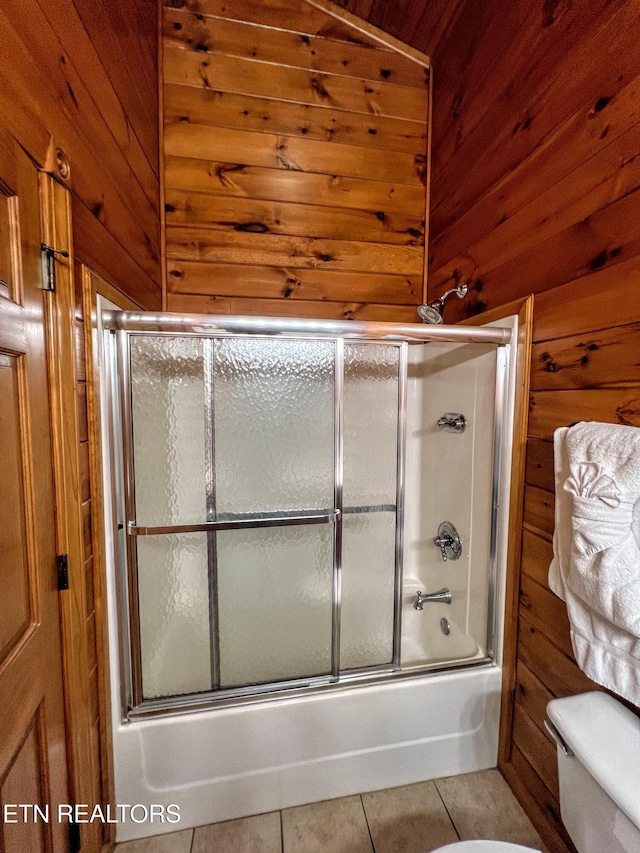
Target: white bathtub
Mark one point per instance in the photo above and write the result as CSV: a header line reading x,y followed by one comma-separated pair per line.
x,y
223,764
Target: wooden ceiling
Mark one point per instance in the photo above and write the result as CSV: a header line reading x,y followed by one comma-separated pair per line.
x,y
420,23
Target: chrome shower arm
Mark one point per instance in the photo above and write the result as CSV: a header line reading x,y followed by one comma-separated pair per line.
x,y
460,291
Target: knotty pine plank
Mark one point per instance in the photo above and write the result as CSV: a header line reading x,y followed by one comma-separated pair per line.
x,y
552,409
425,30
539,510
539,464
281,14
507,132
85,487
558,672
525,38
100,250
229,74
545,611
532,695
417,23
23,117
81,364
198,244
235,180
537,552
609,237
87,535
141,21
324,310
289,152
113,36
603,179
289,283
462,64
269,115
579,138
107,135
540,798
81,402
537,747
105,184
220,213
89,587
201,34
104,74
589,304
605,359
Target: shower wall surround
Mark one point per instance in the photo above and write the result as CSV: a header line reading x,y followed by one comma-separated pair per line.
x,y
450,477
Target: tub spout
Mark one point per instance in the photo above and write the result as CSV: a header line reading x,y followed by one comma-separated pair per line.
x,y
443,595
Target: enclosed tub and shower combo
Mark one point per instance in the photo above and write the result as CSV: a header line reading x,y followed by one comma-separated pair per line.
x,y
307,525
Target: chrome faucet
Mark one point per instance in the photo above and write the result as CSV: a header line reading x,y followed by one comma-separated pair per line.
x,y
443,595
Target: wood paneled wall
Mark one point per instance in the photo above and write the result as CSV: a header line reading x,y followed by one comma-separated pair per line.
x,y
536,189
79,91
96,774
295,164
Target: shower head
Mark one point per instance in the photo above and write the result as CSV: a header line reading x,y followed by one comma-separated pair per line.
x,y
432,311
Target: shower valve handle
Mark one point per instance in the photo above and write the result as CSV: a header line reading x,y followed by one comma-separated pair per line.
x,y
443,542
448,540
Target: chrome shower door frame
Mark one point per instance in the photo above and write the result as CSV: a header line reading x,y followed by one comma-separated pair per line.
x,y
122,325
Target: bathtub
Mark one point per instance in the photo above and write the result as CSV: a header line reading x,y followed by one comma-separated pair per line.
x,y
229,763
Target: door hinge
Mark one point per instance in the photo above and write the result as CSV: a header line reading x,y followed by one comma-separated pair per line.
x,y
63,571
74,837
50,265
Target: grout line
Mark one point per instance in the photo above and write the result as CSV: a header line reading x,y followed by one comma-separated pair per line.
x,y
455,828
281,833
366,820
193,840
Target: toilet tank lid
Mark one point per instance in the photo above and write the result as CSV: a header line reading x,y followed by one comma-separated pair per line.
x,y
605,737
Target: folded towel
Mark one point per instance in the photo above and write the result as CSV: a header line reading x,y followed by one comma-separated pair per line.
x,y
596,545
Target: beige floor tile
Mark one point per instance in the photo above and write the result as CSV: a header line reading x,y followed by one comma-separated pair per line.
x,y
481,805
334,826
259,834
173,842
411,819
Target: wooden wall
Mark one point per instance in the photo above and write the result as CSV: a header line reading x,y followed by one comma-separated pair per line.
x,y
96,835
82,78
536,189
79,91
295,164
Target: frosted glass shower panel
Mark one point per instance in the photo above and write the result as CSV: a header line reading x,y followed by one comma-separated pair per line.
x,y
370,424
274,603
273,424
174,614
371,388
368,574
168,413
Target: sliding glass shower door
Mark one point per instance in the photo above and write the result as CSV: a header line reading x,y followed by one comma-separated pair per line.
x,y
262,480
274,440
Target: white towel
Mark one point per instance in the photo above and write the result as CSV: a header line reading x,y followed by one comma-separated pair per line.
x,y
596,550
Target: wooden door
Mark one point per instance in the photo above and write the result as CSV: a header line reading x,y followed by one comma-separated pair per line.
x,y
32,734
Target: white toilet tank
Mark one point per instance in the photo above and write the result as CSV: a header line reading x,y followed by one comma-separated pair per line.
x,y
600,780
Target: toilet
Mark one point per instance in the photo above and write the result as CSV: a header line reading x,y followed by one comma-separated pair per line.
x,y
599,774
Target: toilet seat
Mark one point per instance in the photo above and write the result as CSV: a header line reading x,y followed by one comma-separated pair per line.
x,y
483,846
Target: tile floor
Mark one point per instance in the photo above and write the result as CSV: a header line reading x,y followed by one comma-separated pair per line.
x,y
412,819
